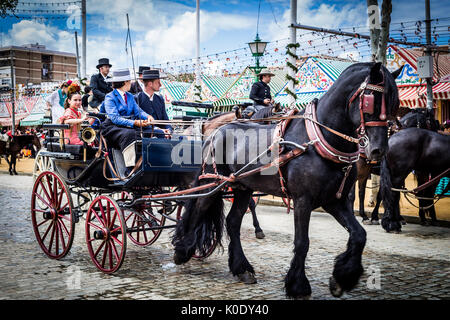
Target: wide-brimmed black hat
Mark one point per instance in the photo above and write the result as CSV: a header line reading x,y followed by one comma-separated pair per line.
x,y
103,62
142,69
151,75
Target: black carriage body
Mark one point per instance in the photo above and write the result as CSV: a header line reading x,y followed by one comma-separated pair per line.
x,y
165,163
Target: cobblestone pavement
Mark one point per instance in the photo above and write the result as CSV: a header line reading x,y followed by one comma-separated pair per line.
x,y
411,265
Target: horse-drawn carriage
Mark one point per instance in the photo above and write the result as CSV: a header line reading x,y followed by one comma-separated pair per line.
x,y
75,182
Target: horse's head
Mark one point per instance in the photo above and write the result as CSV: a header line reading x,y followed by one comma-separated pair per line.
x,y
420,118
372,104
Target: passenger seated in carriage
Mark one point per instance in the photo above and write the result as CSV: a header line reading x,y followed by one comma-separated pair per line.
x,y
73,115
124,115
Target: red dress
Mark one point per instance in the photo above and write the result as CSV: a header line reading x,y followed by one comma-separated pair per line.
x,y
72,132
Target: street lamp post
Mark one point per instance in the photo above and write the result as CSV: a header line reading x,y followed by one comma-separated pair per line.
x,y
257,47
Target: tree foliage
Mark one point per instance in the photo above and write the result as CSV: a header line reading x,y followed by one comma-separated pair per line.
x,y
7,5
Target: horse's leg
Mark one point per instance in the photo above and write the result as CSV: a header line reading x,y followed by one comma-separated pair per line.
x,y
391,219
296,284
14,161
237,262
10,163
362,183
348,267
258,231
375,219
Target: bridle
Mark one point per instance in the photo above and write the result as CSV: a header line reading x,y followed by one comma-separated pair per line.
x,y
367,106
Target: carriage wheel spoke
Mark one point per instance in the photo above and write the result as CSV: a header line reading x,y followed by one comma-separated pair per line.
x,y
51,239
115,251
46,194
110,256
108,213
40,224
115,239
113,219
99,247
57,238
105,252
49,189
65,228
95,226
100,204
101,221
62,236
58,204
46,232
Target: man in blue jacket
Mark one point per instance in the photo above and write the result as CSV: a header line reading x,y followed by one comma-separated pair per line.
x,y
150,102
124,115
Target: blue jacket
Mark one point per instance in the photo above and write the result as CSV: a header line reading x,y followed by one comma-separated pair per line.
x,y
155,108
116,109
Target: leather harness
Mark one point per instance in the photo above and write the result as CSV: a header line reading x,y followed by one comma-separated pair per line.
x,y
323,148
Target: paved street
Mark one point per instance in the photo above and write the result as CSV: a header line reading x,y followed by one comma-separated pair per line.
x,y
411,265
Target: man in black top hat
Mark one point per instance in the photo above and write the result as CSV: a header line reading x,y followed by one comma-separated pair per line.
x,y
98,84
138,85
153,104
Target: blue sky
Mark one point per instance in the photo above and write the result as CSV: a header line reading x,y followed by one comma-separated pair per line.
x,y
165,30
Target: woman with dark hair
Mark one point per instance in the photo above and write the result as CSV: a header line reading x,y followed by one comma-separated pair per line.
x,y
124,115
73,115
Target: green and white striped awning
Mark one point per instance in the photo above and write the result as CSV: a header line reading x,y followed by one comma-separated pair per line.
x,y
302,99
333,68
218,85
176,89
34,119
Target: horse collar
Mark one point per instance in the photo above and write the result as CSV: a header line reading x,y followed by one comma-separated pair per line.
x,y
321,145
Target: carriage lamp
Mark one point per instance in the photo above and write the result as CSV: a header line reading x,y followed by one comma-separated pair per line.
x,y
257,47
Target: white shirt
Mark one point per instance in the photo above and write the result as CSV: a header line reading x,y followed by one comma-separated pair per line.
x,y
150,97
122,94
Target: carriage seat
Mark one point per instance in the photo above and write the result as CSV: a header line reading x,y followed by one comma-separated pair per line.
x,y
74,149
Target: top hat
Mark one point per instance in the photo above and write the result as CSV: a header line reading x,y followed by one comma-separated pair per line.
x,y
266,71
151,75
142,69
103,62
120,76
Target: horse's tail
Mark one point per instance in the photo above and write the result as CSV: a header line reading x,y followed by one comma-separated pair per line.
x,y
200,228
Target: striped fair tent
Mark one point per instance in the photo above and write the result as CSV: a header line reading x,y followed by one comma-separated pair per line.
x,y
412,90
172,91
315,76
37,115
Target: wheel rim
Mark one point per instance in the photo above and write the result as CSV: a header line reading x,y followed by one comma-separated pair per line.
x,y
51,215
144,219
41,164
105,234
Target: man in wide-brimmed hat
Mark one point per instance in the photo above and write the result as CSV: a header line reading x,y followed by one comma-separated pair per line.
x,y
151,102
138,86
124,115
260,93
100,87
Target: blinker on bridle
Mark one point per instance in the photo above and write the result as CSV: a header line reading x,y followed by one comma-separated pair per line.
x,y
367,104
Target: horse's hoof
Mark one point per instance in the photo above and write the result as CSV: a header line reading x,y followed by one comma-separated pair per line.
x,y
375,222
335,288
308,297
403,222
247,277
179,259
367,222
260,235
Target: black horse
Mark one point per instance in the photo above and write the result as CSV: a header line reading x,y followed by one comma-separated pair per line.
x,y
18,143
425,152
420,118
310,179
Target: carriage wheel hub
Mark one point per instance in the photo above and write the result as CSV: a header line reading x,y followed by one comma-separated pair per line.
x,y
100,235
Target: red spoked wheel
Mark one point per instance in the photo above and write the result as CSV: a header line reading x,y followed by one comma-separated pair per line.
x,y
140,222
106,234
51,214
197,255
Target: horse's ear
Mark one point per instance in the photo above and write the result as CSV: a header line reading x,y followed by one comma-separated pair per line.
x,y
397,72
375,73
